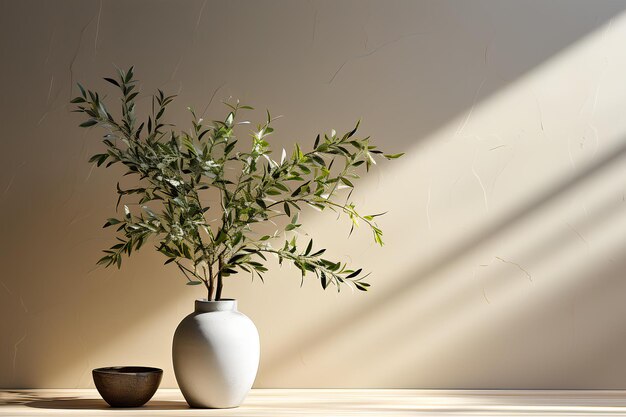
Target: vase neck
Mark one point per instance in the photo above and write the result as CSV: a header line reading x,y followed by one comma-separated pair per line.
x,y
204,306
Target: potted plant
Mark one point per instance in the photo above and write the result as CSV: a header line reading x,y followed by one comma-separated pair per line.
x,y
216,348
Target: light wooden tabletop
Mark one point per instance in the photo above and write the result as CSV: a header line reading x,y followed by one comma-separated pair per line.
x,y
329,402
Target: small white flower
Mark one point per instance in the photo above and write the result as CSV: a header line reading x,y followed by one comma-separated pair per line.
x,y
209,165
176,232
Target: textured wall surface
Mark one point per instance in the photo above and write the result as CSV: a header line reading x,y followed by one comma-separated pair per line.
x,y
506,229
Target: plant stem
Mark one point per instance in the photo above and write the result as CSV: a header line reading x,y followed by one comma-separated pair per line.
x,y
218,293
211,283
210,291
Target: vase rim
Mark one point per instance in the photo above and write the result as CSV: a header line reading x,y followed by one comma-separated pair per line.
x,y
204,300
206,306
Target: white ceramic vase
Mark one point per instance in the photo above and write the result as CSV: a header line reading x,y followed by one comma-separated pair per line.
x,y
216,355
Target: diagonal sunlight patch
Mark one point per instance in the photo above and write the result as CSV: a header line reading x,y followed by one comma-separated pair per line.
x,y
526,154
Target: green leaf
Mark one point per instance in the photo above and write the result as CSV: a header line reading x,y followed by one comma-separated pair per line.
x,y
355,273
346,181
230,147
237,258
299,189
111,222
194,282
129,75
393,156
378,236
186,251
323,280
89,123
188,144
132,96
281,186
371,216
96,157
221,236
230,119
112,81
353,131
318,160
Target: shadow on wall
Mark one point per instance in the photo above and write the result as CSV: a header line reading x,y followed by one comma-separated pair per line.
x,y
428,43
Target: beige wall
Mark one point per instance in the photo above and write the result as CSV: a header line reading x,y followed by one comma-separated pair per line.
x,y
506,230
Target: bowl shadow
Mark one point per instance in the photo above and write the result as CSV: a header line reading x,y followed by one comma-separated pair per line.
x,y
99,404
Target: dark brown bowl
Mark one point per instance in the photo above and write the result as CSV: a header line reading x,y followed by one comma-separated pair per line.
x,y
127,386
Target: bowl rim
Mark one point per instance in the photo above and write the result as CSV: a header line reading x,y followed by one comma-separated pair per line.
x,y
126,370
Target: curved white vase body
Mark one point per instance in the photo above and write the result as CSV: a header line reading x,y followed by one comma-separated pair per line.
x,y
216,355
